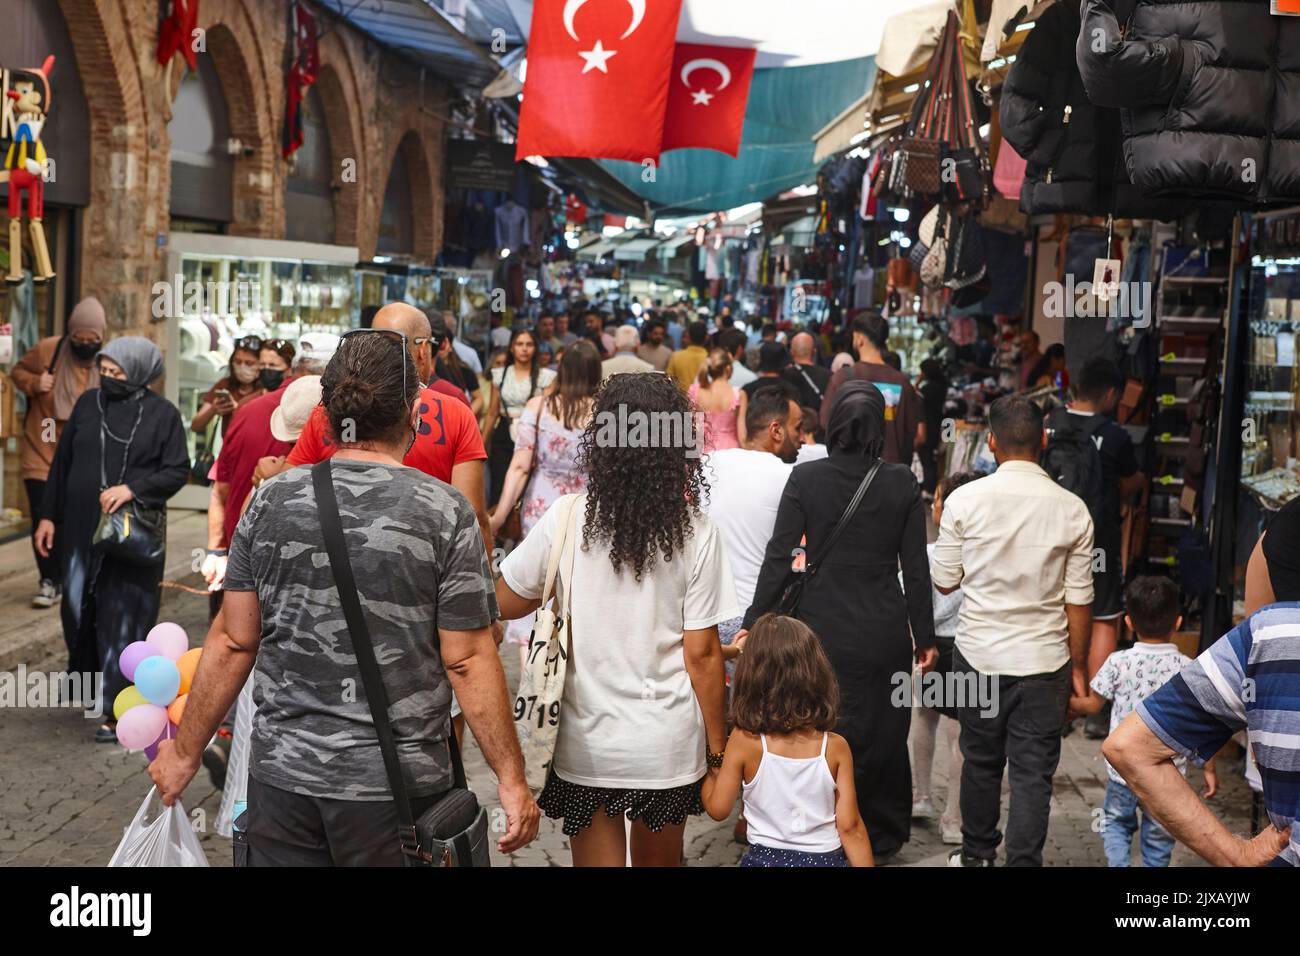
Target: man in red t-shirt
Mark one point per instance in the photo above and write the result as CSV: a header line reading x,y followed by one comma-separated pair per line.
x,y
448,447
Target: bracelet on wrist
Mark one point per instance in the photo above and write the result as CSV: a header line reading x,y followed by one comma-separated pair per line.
x,y
218,552
713,760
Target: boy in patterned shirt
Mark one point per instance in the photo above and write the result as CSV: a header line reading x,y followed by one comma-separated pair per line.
x,y
1125,679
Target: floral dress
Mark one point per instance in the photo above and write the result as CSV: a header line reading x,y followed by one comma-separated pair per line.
x,y
555,473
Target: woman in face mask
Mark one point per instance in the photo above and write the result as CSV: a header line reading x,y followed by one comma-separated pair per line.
x,y
275,359
54,374
239,385
124,446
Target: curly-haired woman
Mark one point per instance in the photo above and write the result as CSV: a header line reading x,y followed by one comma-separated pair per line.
x,y
643,696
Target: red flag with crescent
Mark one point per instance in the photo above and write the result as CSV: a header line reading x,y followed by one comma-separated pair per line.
x,y
597,80
708,92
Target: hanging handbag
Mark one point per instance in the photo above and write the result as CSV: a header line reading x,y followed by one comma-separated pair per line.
x,y
541,680
793,594
921,149
966,167
205,459
133,534
454,831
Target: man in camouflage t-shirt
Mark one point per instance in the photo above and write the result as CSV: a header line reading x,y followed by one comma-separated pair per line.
x,y
419,564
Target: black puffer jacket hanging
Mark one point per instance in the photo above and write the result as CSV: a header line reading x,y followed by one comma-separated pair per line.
x,y
1210,91
1071,148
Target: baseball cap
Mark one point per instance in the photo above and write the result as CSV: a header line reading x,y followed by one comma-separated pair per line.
x,y
296,404
318,347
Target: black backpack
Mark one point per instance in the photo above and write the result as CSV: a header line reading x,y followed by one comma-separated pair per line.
x,y
1074,461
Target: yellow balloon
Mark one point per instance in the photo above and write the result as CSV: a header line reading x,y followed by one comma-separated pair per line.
x,y
176,709
126,700
187,665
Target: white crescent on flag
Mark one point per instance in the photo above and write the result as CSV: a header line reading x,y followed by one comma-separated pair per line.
x,y
572,7
717,66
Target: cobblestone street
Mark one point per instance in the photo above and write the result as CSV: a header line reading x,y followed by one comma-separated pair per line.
x,y
64,800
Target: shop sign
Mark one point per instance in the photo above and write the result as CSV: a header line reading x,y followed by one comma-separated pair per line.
x,y
480,164
1280,235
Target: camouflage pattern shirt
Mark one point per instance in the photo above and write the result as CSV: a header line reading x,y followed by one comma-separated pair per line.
x,y
418,559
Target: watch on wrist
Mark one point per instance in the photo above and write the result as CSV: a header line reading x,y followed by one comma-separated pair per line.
x,y
218,552
713,760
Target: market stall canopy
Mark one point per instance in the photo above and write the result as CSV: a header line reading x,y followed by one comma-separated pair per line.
x,y
634,250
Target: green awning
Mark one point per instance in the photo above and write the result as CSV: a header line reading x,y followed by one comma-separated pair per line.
x,y
787,107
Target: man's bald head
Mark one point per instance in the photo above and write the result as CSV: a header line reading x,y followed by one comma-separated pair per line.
x,y
801,347
414,324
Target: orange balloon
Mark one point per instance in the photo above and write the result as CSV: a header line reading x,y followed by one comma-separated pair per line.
x,y
176,709
187,665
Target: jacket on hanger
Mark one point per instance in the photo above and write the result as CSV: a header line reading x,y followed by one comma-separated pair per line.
x,y
1209,93
1072,149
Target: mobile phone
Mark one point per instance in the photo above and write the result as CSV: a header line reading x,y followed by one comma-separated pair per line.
x,y
223,394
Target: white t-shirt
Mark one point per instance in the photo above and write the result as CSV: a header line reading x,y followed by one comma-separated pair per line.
x,y
630,719
744,492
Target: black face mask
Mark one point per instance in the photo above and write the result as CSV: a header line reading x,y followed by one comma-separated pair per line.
x,y
116,390
270,378
85,350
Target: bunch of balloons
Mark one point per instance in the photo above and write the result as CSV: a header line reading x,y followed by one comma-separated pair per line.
x,y
162,667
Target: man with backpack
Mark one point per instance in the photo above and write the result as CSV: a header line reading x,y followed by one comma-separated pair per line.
x,y
1092,455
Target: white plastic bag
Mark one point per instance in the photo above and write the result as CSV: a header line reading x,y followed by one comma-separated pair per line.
x,y
167,840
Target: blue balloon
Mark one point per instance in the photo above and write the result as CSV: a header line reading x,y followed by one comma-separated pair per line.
x,y
158,680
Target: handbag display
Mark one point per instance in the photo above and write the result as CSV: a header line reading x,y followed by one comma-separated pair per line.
x,y
793,594
454,831
966,173
133,534
541,680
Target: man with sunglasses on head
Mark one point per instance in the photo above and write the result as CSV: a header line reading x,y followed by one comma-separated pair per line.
x,y
448,446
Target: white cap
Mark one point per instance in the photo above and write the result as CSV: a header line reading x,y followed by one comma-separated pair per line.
x,y
500,337
318,346
296,404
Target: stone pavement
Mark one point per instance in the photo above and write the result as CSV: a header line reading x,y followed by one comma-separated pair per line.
x,y
64,800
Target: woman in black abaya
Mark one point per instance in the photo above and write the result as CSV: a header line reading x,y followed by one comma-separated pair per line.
x,y
137,437
870,627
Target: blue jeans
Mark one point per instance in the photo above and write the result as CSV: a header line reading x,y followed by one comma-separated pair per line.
x,y
1121,822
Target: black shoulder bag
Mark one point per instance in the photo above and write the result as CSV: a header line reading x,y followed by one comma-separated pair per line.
x,y
454,831
133,534
793,594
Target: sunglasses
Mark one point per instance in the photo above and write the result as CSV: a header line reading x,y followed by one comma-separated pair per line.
x,y
255,343
392,335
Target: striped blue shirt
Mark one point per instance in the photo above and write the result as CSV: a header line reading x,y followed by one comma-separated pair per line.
x,y
1249,679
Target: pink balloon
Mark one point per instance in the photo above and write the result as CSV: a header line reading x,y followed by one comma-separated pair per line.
x,y
131,657
169,640
141,726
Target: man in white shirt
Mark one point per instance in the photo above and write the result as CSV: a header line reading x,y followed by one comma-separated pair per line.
x,y
626,340
1020,548
745,487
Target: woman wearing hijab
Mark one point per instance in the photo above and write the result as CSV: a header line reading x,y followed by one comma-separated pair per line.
x,y
53,375
122,443
866,622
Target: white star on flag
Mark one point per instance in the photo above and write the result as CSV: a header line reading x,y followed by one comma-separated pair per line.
x,y
597,58
701,97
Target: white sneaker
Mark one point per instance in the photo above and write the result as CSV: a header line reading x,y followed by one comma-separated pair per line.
x,y
48,595
922,809
951,831
955,858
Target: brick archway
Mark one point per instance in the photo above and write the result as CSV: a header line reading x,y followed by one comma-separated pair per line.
x,y
425,205
344,156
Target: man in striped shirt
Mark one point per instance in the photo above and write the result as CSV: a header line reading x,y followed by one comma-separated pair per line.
x,y
1248,680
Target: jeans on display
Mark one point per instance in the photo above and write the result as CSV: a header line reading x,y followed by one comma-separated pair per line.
x,y
1120,822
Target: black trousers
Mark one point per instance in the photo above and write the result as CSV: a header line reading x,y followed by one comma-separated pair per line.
x,y
51,568
281,828
1022,732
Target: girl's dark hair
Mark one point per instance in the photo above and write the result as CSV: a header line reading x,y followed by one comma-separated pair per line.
x,y
950,483
576,382
361,389
640,499
784,682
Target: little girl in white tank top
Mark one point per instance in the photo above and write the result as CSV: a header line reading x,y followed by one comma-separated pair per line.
x,y
797,776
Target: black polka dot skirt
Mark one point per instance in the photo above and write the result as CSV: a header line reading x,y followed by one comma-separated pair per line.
x,y
575,804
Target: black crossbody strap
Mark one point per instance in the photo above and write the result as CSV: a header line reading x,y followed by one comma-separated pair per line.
x,y
331,524
845,518
811,384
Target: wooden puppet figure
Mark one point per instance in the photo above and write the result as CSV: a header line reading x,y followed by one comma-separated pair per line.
x,y
25,167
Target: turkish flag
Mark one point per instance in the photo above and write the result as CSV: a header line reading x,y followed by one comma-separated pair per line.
x,y
597,82
708,93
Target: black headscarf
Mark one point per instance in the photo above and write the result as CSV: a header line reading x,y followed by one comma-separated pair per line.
x,y
857,422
